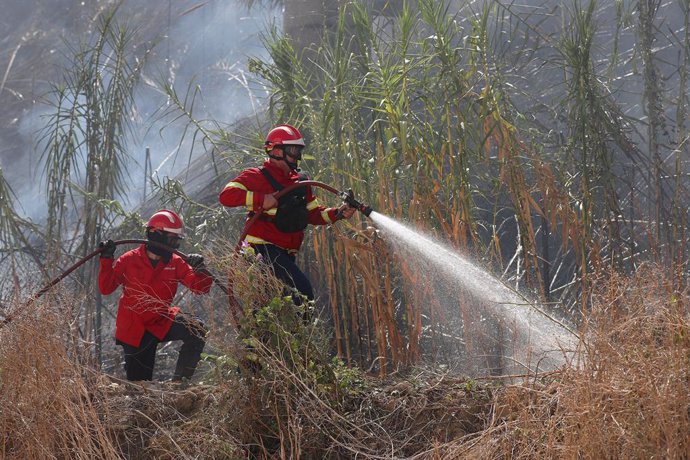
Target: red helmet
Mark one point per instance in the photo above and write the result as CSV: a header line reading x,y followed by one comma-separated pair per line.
x,y
283,135
166,220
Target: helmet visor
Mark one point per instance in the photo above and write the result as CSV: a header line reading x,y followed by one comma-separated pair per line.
x,y
173,239
293,151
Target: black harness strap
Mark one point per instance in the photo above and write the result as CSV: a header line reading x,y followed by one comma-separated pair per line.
x,y
271,180
277,186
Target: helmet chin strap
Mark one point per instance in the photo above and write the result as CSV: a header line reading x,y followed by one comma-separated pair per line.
x,y
292,166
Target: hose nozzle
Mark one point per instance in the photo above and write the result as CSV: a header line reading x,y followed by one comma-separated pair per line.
x,y
348,197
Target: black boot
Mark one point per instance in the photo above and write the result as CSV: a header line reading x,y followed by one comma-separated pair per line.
x,y
190,352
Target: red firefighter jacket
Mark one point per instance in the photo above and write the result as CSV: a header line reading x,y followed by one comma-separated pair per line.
x,y
248,189
147,292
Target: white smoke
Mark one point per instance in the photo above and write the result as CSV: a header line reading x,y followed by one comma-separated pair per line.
x,y
206,44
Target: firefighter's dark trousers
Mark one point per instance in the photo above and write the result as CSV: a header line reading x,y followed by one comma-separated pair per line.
x,y
139,361
285,269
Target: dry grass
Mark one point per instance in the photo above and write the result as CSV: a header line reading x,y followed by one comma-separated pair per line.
x,y
55,405
447,152
629,397
168,421
626,397
48,404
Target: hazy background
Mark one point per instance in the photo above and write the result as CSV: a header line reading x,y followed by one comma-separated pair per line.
x,y
204,43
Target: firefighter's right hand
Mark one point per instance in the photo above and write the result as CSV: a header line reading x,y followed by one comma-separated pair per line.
x,y
107,249
270,202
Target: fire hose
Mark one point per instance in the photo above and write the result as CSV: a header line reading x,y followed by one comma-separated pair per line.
x,y
235,308
93,254
347,196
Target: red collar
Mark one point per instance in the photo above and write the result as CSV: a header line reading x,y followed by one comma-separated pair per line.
x,y
278,173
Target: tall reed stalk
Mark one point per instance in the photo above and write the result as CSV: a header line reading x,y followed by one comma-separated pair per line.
x,y
15,248
85,154
480,126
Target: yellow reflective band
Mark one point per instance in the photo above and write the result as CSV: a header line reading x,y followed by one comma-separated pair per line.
x,y
313,204
271,212
249,200
236,185
255,240
325,216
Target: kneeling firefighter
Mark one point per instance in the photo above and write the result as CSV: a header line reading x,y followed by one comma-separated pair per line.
x,y
279,231
149,276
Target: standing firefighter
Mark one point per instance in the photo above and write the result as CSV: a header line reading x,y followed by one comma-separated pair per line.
x,y
149,275
279,231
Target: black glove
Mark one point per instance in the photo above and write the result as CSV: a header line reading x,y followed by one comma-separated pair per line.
x,y
107,249
196,261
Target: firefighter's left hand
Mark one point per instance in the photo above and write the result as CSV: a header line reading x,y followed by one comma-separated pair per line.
x,y
346,211
196,261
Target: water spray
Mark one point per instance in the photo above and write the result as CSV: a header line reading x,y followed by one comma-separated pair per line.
x,y
531,328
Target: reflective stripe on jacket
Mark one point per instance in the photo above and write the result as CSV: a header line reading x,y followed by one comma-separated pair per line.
x,y
248,190
147,292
